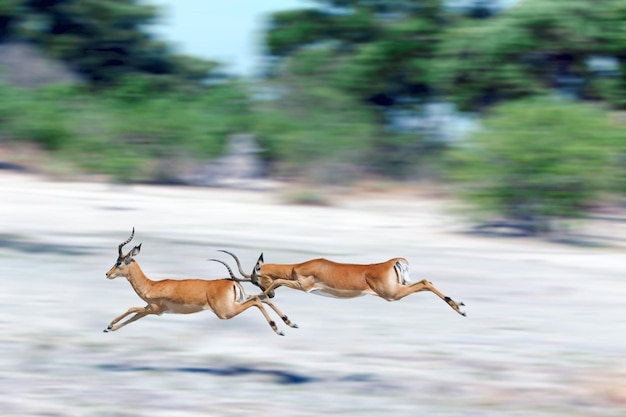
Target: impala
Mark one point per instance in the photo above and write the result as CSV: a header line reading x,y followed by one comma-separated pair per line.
x,y
388,280
225,297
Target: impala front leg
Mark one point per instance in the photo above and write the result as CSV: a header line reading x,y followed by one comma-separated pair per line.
x,y
269,291
140,312
137,316
305,284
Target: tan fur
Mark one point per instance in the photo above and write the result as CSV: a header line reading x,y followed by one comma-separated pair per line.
x,y
222,296
343,280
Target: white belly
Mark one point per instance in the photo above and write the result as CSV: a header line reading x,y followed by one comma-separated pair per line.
x,y
335,293
183,308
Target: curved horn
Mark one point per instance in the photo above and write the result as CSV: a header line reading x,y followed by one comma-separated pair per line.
x,y
238,263
119,249
230,271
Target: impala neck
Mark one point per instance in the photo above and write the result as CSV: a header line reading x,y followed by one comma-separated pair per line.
x,y
138,280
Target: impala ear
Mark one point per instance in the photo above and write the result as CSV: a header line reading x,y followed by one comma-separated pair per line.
x,y
135,251
254,277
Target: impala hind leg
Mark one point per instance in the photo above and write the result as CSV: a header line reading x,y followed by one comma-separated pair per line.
x,y
254,301
425,285
280,313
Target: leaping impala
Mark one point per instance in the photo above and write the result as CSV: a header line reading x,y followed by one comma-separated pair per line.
x,y
225,297
388,280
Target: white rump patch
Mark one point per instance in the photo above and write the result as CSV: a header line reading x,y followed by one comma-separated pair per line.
x,y
240,296
402,272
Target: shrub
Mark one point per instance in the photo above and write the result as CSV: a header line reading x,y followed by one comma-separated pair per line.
x,y
319,126
537,160
120,134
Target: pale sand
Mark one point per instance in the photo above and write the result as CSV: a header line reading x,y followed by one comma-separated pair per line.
x,y
545,333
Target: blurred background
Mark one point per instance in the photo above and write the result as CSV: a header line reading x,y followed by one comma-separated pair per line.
x,y
484,140
516,104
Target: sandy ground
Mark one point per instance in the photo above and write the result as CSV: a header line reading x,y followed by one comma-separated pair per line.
x,y
545,333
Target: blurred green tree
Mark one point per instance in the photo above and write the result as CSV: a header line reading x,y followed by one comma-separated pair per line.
x,y
105,41
575,47
313,130
351,60
123,132
391,51
378,51
537,160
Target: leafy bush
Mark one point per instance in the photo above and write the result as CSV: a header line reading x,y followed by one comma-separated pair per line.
x,y
112,134
317,125
539,159
35,116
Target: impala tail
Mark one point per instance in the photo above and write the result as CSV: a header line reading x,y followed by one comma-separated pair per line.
x,y
402,271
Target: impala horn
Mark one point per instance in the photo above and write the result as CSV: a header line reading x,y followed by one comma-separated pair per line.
x,y
119,248
236,260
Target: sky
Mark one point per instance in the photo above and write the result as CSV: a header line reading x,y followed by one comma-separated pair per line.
x,y
228,31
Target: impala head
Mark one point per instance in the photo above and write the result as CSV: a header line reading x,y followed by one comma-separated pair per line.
x,y
260,280
122,265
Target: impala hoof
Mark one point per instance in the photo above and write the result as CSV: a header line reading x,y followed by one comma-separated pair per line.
x,y
462,312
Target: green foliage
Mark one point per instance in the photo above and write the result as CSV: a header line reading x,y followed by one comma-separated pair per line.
x,y
335,60
403,49
535,160
473,69
319,132
122,137
103,40
293,28
539,159
319,124
528,50
24,115
377,47
612,90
